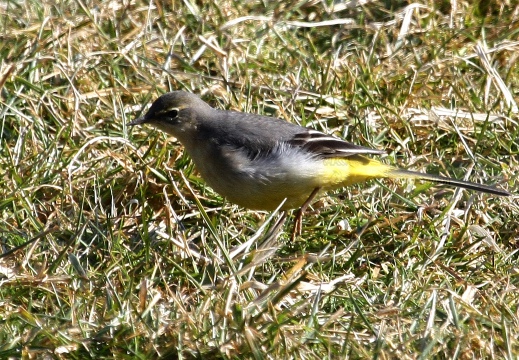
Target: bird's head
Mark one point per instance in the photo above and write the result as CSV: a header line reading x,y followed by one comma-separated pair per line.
x,y
176,113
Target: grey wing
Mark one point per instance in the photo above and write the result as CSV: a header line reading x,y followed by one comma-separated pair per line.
x,y
259,135
255,133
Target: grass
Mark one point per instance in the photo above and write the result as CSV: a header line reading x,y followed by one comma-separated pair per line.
x,y
112,246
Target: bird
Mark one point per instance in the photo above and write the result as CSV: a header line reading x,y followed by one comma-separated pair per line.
x,y
260,162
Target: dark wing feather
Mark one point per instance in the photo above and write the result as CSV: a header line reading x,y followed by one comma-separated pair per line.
x,y
327,146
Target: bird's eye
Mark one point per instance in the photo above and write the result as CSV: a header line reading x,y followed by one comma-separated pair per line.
x,y
173,113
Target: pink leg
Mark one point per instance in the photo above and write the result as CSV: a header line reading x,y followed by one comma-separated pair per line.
x,y
298,221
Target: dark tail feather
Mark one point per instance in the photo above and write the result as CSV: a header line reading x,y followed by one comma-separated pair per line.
x,y
444,180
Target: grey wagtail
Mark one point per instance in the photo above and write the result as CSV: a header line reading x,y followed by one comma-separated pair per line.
x,y
258,161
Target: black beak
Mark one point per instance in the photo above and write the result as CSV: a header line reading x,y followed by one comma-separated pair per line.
x,y
138,121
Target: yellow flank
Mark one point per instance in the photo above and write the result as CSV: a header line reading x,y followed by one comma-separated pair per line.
x,y
341,172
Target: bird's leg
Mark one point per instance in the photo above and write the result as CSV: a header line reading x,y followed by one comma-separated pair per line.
x,y
298,221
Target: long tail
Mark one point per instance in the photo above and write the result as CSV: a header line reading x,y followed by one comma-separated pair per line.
x,y
356,169
407,174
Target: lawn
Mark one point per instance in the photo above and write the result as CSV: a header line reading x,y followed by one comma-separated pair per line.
x,y
113,246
